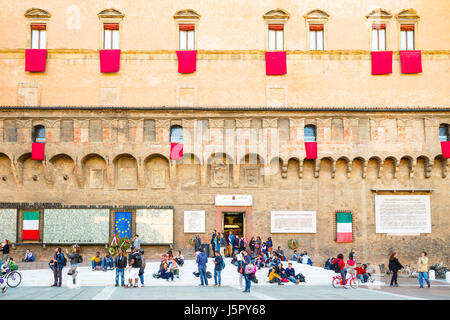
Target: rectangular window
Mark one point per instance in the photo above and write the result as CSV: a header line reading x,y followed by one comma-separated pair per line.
x,y
407,37
111,36
316,37
378,37
187,37
276,37
38,36
149,130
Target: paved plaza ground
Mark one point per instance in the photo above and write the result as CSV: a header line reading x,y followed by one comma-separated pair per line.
x,y
99,285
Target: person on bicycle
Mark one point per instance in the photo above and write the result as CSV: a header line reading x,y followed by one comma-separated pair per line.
x,y
422,268
339,261
3,285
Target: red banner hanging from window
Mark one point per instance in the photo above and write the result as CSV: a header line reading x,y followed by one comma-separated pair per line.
x,y
111,26
35,60
445,146
411,61
187,27
276,63
187,61
381,62
109,60
37,151
316,27
176,151
311,150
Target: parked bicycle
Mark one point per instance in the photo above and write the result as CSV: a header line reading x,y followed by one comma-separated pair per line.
x,y
12,277
439,270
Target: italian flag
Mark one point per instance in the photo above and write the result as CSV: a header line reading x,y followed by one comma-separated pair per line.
x,y
30,227
344,227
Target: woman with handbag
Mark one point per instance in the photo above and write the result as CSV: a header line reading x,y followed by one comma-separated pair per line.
x,y
249,269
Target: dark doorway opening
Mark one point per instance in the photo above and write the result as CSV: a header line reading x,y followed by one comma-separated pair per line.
x,y
234,222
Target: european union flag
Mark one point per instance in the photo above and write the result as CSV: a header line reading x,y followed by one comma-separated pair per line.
x,y
122,225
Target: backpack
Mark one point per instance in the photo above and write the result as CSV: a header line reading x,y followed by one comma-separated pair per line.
x,y
336,266
80,259
223,264
300,277
64,260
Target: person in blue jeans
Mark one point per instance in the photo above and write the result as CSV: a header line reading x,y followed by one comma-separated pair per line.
x,y
423,269
166,273
107,262
218,260
247,277
120,263
202,260
290,274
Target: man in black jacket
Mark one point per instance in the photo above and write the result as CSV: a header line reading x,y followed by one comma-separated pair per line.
x,y
120,263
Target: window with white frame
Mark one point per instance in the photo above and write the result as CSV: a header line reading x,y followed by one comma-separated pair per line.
x,y
38,36
378,37
407,37
309,133
276,37
187,36
316,37
111,36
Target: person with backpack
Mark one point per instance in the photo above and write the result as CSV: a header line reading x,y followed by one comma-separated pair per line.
x,y
248,269
394,266
290,274
339,267
74,260
218,266
59,261
422,268
202,260
135,263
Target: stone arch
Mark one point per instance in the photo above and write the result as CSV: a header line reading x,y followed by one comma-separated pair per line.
x,y
358,168
94,171
343,167
6,174
293,168
220,170
188,171
32,171
390,165
405,168
374,168
439,167
156,167
423,167
126,172
327,167
63,170
251,166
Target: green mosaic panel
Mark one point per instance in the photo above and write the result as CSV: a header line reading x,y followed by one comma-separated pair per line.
x,y
8,224
84,226
155,225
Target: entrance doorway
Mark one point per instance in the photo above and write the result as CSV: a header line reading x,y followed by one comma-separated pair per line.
x,y
234,222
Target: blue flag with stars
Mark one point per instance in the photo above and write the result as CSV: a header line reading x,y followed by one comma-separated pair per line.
x,y
122,225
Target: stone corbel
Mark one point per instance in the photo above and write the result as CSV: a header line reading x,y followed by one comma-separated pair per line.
x,y
78,172
141,173
333,168
364,169
109,172
316,168
48,176
349,168
16,172
396,168
236,175
300,169
445,165
428,168
380,169
204,174
284,169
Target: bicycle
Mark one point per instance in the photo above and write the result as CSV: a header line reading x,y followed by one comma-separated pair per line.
x,y
406,272
11,277
337,281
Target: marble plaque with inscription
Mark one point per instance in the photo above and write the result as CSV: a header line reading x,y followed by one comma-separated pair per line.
x,y
68,226
155,226
293,222
402,214
194,221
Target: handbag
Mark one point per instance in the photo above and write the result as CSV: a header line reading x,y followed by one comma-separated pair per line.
x,y
250,268
69,273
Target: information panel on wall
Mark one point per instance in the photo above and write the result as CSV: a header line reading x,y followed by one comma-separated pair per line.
x,y
8,224
155,226
402,214
84,226
194,221
293,221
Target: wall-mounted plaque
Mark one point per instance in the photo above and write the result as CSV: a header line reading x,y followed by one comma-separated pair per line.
x,y
194,221
293,222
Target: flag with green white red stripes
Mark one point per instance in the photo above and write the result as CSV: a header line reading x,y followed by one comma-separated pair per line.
x,y
30,225
344,227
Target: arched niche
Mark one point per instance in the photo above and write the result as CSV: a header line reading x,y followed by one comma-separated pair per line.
x,y
156,171
94,171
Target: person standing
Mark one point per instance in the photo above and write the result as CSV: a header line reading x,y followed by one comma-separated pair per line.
x,y
135,263
422,268
202,260
247,276
213,242
120,263
58,260
5,250
74,259
197,243
339,261
235,245
394,266
218,260
230,244
142,268
137,242
251,244
223,244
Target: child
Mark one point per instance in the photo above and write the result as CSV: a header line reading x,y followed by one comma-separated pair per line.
x,y
179,259
3,285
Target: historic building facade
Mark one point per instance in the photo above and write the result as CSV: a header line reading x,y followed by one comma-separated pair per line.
x,y
111,126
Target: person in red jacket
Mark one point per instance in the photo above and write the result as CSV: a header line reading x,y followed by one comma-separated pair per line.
x,y
361,273
340,262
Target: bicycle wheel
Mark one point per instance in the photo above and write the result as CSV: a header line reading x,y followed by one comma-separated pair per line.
x,y
405,273
353,283
336,283
13,279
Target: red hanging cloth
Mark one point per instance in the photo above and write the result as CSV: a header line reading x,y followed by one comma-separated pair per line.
x,y
176,151
35,60
381,62
411,61
37,151
109,60
187,61
311,150
276,63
